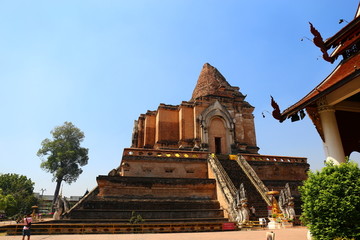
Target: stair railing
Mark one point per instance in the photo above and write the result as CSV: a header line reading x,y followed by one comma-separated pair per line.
x,y
90,194
226,186
254,178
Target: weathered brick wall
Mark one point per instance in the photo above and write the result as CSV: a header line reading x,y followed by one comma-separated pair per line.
x,y
165,167
150,128
167,126
186,121
280,170
167,188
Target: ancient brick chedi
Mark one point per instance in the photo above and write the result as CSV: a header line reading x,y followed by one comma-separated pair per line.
x,y
187,161
216,119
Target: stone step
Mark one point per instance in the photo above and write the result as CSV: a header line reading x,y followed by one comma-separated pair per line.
x,y
154,204
147,221
148,215
116,228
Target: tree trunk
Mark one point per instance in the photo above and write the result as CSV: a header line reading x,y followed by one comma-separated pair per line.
x,y
56,194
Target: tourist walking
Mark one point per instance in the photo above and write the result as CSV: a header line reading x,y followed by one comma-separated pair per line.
x,y
27,225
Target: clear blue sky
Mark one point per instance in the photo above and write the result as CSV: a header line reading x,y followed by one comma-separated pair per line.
x,y
100,64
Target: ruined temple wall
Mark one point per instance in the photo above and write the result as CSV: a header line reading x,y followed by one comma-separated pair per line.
x,y
280,171
248,126
174,127
149,130
141,130
244,125
167,126
239,128
186,122
187,126
198,109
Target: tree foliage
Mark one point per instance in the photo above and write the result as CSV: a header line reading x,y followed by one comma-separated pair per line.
x,y
331,202
17,193
63,156
6,201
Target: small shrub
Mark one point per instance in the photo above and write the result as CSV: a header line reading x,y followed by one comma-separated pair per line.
x,y
136,218
331,202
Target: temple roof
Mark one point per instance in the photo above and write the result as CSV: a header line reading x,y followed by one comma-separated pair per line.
x,y
346,71
346,37
212,83
342,74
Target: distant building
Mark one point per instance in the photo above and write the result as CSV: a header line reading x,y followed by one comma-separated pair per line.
x,y
45,202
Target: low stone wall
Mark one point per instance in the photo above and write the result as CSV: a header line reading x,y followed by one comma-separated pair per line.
x,y
163,163
165,153
273,158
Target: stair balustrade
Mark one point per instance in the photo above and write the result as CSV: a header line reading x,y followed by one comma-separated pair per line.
x,y
254,178
226,186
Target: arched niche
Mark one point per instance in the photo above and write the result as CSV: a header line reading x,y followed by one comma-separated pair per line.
x,y
214,116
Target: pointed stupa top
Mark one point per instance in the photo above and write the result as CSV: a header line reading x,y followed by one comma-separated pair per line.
x,y
212,83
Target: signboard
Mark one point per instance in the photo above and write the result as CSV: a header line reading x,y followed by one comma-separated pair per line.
x,y
228,226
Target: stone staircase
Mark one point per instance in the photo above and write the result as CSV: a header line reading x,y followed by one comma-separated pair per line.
x,y
237,176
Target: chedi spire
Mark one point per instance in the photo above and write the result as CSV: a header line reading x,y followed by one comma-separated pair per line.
x,y
212,83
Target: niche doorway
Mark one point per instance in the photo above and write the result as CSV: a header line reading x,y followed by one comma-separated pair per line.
x,y
217,136
217,145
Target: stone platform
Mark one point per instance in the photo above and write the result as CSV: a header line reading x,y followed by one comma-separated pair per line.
x,y
156,200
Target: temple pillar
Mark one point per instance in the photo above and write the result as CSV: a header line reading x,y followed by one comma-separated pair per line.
x,y
332,141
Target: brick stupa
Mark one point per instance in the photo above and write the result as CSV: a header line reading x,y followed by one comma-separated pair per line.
x,y
183,164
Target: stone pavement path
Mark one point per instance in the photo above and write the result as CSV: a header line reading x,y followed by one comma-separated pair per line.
x,y
296,233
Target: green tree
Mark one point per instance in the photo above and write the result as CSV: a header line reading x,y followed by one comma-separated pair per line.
x,y
63,156
331,202
6,201
18,193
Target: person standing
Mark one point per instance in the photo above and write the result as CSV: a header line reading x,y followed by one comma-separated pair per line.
x,y
27,225
253,212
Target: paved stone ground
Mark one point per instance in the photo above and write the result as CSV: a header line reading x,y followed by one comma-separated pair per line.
x,y
295,233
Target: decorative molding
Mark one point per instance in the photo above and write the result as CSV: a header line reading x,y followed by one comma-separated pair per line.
x,y
323,106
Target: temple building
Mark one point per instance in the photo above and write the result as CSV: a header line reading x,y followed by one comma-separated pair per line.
x,y
334,104
196,162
